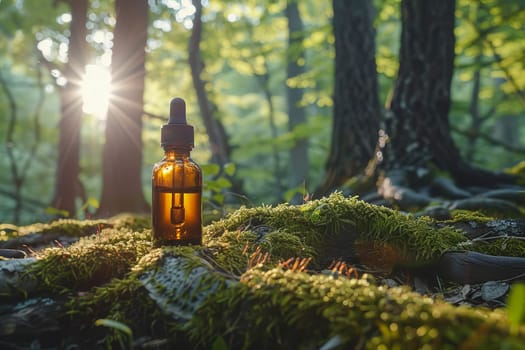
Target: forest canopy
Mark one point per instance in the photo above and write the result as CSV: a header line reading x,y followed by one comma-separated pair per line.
x,y
259,80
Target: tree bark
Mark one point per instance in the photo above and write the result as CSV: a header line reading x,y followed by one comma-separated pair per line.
x,y
68,186
356,101
298,164
220,148
122,185
418,126
417,122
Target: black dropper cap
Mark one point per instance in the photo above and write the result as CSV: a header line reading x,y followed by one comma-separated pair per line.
x,y
177,133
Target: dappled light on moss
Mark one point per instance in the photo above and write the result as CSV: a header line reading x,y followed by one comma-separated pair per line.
x,y
241,286
506,246
66,227
319,221
231,250
91,261
307,310
282,232
459,215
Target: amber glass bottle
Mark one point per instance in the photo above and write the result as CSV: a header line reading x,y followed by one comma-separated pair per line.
x,y
177,184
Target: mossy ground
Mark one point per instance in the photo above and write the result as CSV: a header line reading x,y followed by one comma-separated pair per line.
x,y
307,311
267,305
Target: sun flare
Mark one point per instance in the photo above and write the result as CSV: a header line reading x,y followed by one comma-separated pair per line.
x,y
96,90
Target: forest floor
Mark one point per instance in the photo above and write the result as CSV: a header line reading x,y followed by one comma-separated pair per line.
x,y
333,272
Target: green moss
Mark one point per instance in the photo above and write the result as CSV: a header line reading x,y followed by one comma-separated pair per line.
x,y
121,300
303,230
80,228
126,300
66,227
317,222
178,278
504,246
284,245
283,232
292,310
460,215
133,222
198,285
91,261
231,251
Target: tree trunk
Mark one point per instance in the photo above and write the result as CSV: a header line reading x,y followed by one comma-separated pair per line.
x,y
356,102
418,124
419,127
68,186
475,118
298,164
220,149
122,186
264,83
13,163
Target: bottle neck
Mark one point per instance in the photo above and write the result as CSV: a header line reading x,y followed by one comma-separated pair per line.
x,y
176,152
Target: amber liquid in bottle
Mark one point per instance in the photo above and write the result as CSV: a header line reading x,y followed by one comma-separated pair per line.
x,y
176,199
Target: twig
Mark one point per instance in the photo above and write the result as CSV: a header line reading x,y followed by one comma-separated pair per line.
x,y
481,239
31,201
489,139
154,116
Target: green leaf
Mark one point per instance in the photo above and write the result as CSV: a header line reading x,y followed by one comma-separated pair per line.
x,y
218,197
56,211
212,186
289,194
229,169
219,344
93,202
115,325
224,183
210,169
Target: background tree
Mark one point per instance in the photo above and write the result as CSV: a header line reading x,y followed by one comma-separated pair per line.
x,y
356,100
68,186
245,48
418,123
23,102
255,58
491,74
122,183
298,165
220,149
20,168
